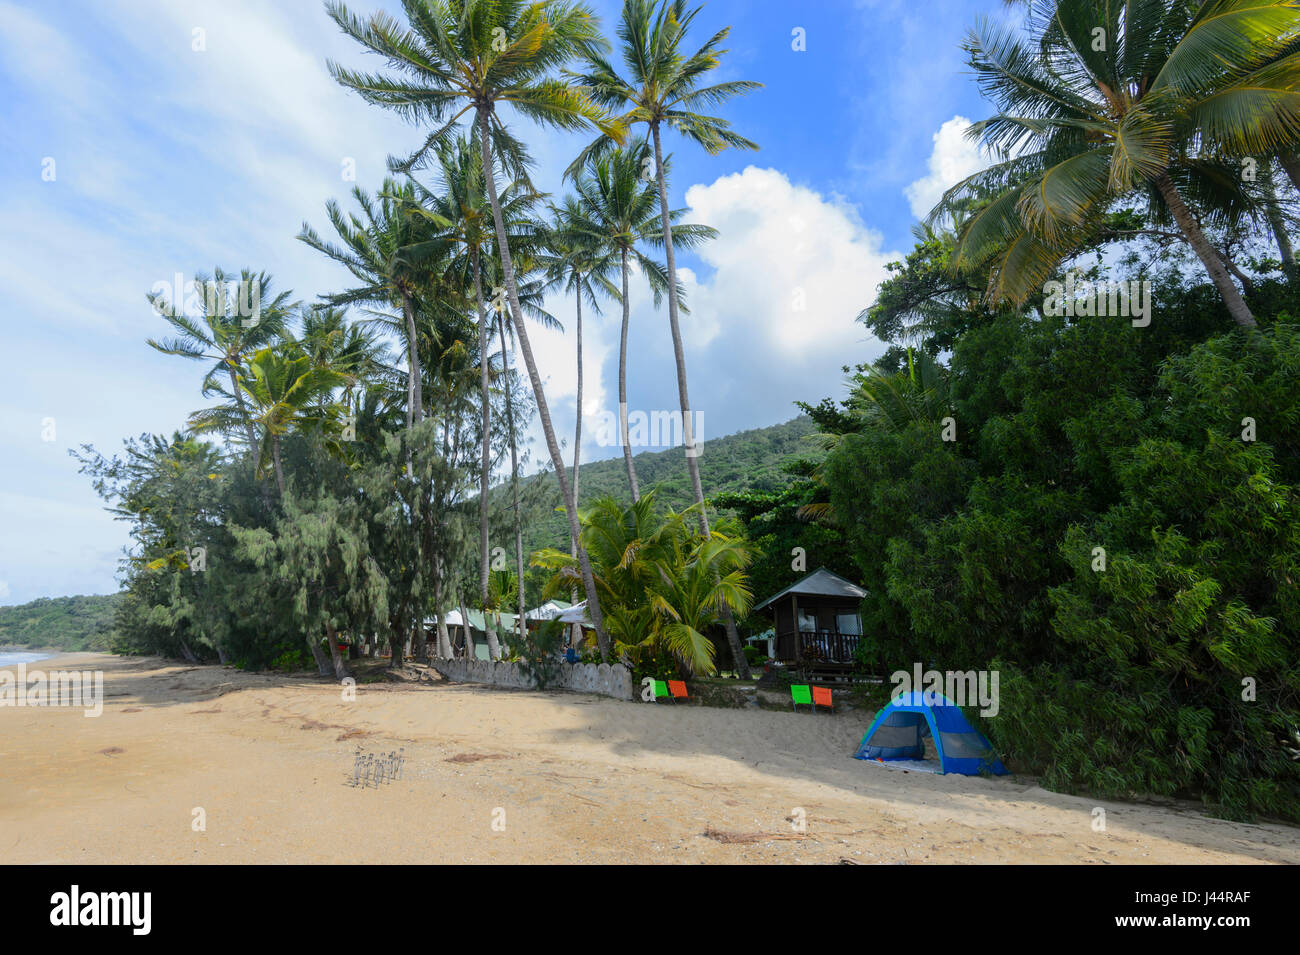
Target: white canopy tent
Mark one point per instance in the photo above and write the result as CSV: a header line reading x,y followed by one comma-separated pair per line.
x,y
547,611
576,614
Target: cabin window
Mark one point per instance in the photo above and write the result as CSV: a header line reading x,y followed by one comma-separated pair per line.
x,y
807,622
850,623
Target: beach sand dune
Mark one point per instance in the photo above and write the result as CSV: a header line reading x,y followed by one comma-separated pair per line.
x,y
500,776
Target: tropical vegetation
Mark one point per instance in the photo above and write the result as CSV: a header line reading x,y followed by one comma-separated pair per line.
x,y
1100,505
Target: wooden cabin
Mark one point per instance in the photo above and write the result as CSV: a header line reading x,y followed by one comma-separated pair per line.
x,y
817,623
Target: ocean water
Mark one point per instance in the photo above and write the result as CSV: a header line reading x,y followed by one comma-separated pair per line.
x,y
10,658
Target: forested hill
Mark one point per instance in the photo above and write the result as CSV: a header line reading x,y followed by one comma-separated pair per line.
x,y
66,623
745,461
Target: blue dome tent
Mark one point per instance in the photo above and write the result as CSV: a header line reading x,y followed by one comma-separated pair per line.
x,y
895,734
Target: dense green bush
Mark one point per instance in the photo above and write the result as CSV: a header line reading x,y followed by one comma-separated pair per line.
x,y
982,553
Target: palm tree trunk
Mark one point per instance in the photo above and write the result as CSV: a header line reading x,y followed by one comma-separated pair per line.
x,y
622,390
465,629
692,464
1291,164
275,460
494,644
243,409
514,480
577,430
254,446
543,412
1274,212
415,412
485,464
692,459
577,434
444,637
1237,306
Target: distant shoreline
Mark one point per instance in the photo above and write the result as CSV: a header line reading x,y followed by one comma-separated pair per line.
x,y
25,655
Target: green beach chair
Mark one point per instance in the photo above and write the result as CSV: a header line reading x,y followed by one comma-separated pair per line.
x,y
661,692
800,694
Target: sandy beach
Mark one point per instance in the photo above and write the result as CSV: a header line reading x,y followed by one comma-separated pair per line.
x,y
268,760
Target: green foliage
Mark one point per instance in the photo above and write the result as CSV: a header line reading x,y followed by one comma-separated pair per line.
x,y
748,461
1157,118
662,584
540,654
656,663
778,523
63,623
980,553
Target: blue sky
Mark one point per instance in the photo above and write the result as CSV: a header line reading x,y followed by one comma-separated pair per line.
x,y
130,156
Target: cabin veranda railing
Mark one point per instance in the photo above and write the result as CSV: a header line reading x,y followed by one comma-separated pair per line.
x,y
817,646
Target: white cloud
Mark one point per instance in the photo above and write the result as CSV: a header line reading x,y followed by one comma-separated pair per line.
x,y
953,158
792,268
556,356
751,350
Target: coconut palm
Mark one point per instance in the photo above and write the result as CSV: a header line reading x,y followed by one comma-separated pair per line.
x,y
702,584
580,263
665,87
1152,110
350,348
459,208
223,334
618,206
664,584
390,253
456,57
284,389
531,293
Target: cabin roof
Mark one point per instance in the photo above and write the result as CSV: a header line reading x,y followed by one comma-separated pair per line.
x,y
820,583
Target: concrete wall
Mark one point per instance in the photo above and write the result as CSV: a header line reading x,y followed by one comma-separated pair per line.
x,y
602,678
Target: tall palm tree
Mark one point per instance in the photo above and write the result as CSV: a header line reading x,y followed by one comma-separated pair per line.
x,y
1154,112
618,207
530,299
350,348
665,87
284,389
580,263
389,252
463,56
222,334
459,208
665,584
